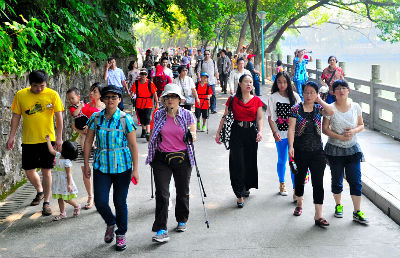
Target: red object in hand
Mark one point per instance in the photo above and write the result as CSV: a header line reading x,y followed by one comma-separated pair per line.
x,y
134,181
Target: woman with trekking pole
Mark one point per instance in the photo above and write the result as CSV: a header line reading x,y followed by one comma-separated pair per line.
x,y
171,155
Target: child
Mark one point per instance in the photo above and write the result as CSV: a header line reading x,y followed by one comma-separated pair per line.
x,y
63,186
80,113
279,103
279,68
204,91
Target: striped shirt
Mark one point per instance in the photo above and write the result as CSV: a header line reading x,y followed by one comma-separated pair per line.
x,y
184,118
112,155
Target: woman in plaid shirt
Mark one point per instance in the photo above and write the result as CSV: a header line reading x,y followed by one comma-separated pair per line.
x,y
112,165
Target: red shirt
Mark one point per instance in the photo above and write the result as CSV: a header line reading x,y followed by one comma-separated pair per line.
x,y
203,95
245,112
87,110
144,100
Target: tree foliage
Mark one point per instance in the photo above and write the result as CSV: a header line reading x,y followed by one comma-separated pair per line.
x,y
67,35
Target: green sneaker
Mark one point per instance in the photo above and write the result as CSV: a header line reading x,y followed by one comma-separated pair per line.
x,y
339,211
359,216
204,129
198,125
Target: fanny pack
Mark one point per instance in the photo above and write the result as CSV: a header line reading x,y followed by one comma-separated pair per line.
x,y
174,158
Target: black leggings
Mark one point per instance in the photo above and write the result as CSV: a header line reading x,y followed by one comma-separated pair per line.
x,y
316,162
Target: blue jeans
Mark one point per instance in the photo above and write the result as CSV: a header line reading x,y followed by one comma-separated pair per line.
x,y
299,87
101,184
257,87
345,164
213,100
283,147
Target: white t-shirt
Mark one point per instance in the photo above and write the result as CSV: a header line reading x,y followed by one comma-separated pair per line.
x,y
278,109
234,77
186,84
339,122
168,72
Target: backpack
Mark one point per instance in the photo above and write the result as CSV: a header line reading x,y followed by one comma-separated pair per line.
x,y
208,88
201,64
122,120
148,86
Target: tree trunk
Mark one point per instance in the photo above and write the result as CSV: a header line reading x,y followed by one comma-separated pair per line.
x,y
271,47
226,31
243,31
254,28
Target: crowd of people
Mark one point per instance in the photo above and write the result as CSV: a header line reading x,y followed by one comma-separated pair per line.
x,y
163,100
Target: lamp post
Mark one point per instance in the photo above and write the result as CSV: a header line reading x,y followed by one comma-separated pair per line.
x,y
261,15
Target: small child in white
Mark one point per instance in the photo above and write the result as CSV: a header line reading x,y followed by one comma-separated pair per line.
x,y
63,186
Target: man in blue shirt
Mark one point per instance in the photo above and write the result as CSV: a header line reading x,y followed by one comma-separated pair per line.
x,y
115,76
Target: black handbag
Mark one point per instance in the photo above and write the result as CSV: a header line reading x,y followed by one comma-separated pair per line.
x,y
225,134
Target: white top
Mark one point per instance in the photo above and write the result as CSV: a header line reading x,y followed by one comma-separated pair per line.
x,y
278,108
210,67
339,122
168,72
62,163
187,84
234,77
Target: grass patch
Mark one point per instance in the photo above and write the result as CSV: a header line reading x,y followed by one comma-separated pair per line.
x,y
13,189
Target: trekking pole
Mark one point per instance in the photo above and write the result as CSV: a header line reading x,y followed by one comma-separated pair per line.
x,y
151,176
208,117
200,182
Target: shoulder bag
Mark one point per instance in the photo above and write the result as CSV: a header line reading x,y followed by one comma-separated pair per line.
x,y
225,134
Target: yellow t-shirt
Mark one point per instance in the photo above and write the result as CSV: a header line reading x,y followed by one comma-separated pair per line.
x,y
37,111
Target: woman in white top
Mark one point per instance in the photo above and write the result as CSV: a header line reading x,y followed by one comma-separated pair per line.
x,y
342,150
279,103
188,88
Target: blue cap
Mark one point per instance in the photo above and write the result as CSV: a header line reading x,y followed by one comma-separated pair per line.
x,y
111,88
204,74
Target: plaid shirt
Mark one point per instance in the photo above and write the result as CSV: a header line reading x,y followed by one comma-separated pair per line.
x,y
112,155
300,69
184,118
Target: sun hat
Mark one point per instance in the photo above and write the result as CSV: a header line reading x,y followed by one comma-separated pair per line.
x,y
111,88
172,88
204,74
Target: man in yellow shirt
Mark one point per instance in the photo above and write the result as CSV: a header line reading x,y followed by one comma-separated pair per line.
x,y
37,105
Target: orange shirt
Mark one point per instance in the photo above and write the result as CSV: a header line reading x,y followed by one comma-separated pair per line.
x,y
145,98
203,95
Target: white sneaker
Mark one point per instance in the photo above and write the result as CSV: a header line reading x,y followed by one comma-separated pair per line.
x,y
282,189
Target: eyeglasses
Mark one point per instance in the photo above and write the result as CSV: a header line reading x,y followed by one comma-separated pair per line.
x,y
171,96
206,54
113,97
143,73
309,93
341,88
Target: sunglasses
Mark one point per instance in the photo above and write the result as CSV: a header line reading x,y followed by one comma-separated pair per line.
x,y
171,96
143,73
113,97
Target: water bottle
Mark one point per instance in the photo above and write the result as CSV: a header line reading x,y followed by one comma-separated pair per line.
x,y
293,166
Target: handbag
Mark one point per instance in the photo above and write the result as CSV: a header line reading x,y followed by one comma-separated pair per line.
x,y
225,134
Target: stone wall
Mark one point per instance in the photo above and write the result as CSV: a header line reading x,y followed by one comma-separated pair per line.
x,y
10,165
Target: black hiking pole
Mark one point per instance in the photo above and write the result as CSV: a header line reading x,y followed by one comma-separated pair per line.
x,y
201,186
208,117
151,176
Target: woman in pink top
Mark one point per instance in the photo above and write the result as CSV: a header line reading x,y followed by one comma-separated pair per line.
x,y
170,154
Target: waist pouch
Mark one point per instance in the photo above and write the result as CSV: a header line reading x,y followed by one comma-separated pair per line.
x,y
173,158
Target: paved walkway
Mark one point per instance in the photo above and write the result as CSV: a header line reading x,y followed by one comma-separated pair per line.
x,y
265,227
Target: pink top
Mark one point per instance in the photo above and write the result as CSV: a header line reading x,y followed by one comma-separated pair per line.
x,y
172,137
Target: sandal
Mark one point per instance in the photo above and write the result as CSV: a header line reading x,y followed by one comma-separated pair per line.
x,y
298,211
77,210
89,203
321,222
62,215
